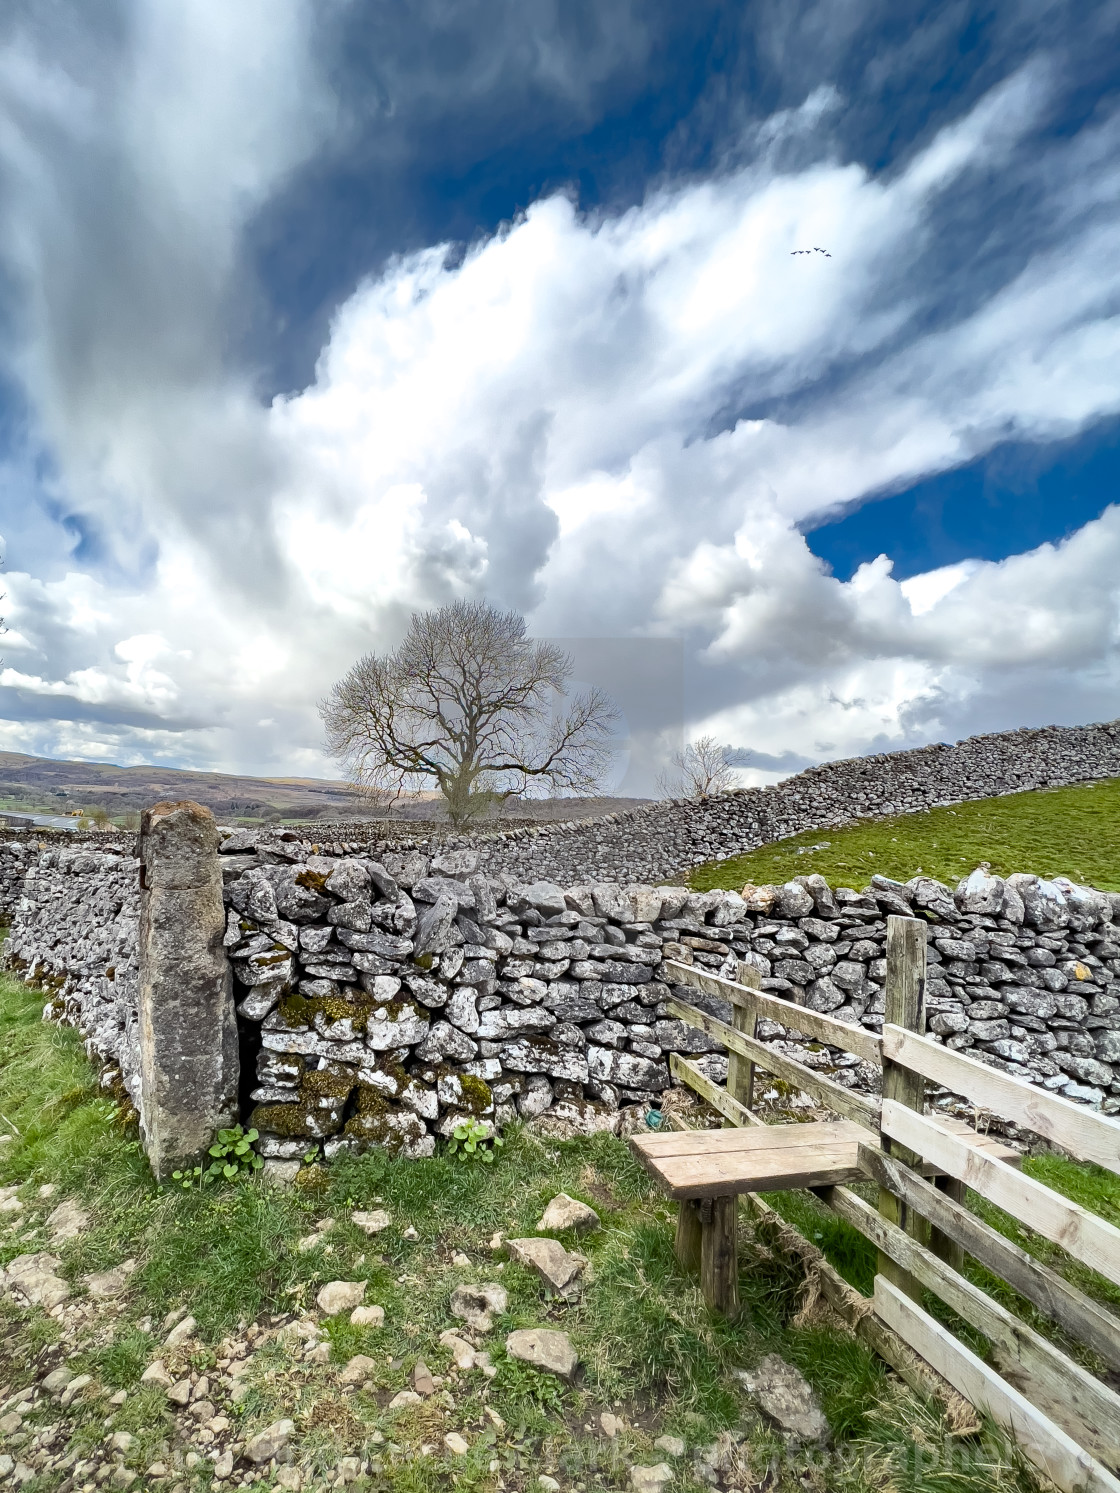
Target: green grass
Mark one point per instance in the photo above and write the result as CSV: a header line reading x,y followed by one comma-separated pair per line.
x,y
650,1349
1073,832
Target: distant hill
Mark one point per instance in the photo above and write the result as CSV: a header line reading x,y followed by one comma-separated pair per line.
x,y
40,785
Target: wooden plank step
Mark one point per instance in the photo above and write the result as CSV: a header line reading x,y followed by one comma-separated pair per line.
x,y
769,1158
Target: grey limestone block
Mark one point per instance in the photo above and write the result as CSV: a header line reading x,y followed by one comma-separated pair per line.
x,y
189,1062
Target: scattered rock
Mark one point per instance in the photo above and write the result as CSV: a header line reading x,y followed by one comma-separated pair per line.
x,y
673,1446
155,1373
476,1305
57,1380
460,1260
180,1393
181,1332
650,1479
75,1388
340,1296
280,1173
786,1396
544,1348
611,1425
289,1478
67,1222
460,1350
32,1278
559,1269
405,1397
265,1444
547,1484
410,1234
223,1466
367,1316
358,1370
457,1445
371,1223
10,1423
110,1283
422,1381
121,1441
565,1212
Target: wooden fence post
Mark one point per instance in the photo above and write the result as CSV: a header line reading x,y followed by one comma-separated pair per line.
x,y
740,1070
905,999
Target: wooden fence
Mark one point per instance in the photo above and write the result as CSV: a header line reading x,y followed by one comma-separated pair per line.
x,y
1065,1418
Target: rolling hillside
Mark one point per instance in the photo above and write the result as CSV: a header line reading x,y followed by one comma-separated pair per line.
x,y
1071,832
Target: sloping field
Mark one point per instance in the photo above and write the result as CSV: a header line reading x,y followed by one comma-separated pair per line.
x,y
1071,832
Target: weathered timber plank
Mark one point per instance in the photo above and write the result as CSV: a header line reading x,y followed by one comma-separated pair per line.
x,y
1082,1317
769,1158
1080,1131
1084,1235
716,1096
843,1101
719,1255
905,1005
687,1244
1062,1389
740,1070
810,1136
855,1039
1068,1465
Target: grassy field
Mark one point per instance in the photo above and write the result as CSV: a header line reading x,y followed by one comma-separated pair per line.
x,y
230,1255
1071,832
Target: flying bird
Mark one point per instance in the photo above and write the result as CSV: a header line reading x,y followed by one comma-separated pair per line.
x,y
814,250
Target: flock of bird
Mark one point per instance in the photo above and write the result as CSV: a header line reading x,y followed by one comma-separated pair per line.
x,y
813,250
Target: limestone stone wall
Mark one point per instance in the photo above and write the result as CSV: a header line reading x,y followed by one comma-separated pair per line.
x,y
381,1001
660,841
75,918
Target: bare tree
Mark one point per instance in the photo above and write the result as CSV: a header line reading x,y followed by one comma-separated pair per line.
x,y
699,771
468,704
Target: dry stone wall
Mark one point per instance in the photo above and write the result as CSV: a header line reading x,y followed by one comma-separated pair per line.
x,y
661,840
75,918
380,1002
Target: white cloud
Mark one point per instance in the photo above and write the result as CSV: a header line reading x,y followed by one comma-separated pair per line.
x,y
554,423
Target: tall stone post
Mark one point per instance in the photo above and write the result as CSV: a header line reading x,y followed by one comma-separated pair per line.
x,y
189,1066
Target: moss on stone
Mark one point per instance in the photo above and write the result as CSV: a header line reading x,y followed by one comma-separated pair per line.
x,y
335,1081
371,1101
300,1010
312,881
477,1096
294,1120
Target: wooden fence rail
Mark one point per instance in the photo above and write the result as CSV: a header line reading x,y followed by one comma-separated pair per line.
x,y
1063,1416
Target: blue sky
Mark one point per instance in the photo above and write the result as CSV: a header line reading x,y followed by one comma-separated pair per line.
x,y
314,314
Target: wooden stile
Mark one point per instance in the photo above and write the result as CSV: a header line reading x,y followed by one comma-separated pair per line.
x,y
718,1098
1068,1466
905,1001
1080,1131
851,1105
1078,1314
744,1018
1072,1397
812,1024
1084,1235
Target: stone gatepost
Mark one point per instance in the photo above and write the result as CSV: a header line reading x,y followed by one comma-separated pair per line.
x,y
189,1066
